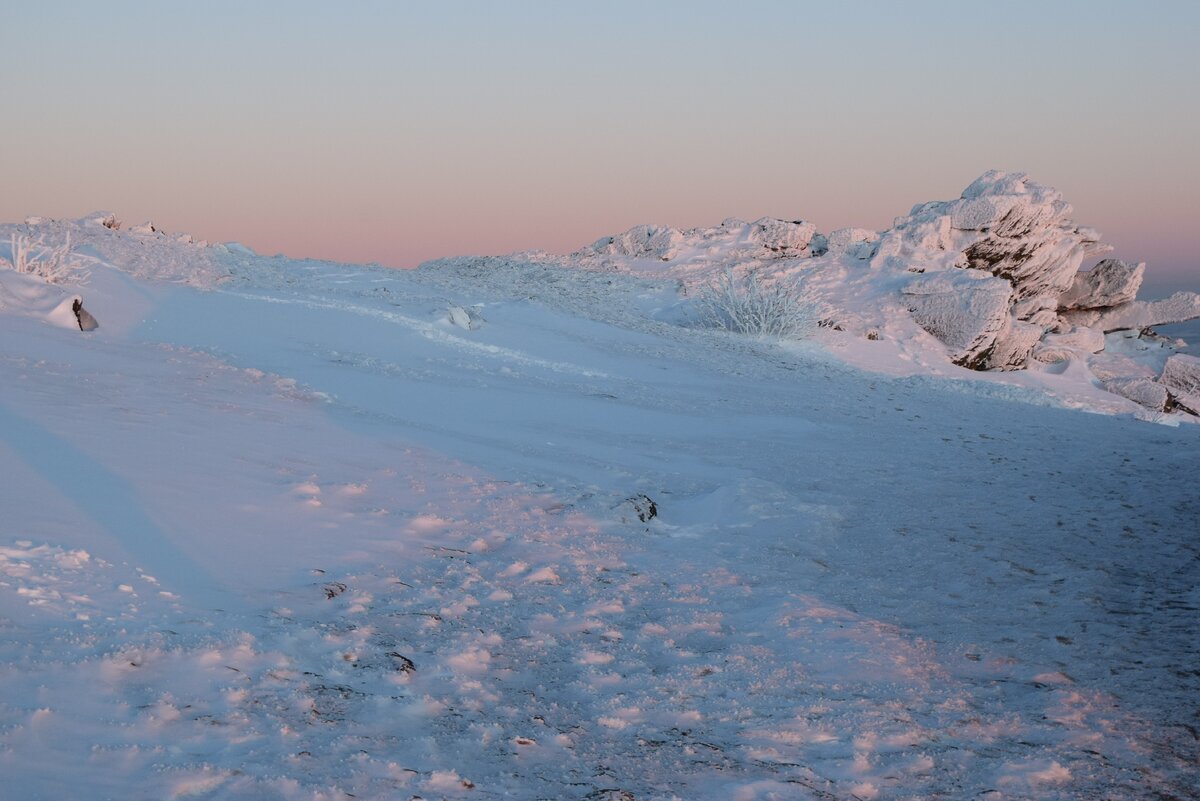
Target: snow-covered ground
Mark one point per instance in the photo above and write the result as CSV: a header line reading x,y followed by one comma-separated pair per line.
x,y
289,532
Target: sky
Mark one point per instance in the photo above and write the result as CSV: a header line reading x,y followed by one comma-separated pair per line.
x,y
395,132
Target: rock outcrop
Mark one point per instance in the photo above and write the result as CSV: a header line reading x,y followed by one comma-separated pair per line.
x,y
995,275
1020,233
764,239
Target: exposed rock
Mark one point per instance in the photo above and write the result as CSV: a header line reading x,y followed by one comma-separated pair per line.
x,y
1150,394
85,320
642,507
1181,376
1179,308
965,309
1110,283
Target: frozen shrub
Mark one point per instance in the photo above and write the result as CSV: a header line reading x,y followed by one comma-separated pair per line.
x,y
53,264
748,305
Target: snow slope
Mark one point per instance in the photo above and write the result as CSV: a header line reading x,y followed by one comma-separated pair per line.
x,y
291,532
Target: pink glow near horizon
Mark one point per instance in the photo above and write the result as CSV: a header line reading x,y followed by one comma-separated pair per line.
x,y
477,128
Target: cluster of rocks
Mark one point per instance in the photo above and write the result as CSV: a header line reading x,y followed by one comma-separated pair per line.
x,y
998,280
995,275
766,238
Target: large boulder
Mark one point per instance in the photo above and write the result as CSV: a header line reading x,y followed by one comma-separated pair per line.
x,y
965,309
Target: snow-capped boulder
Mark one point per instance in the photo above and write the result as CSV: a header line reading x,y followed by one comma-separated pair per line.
x,y
856,243
1179,308
782,237
1181,377
1110,283
464,317
1144,391
965,309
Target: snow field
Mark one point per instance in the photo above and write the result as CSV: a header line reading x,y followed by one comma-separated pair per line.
x,y
303,537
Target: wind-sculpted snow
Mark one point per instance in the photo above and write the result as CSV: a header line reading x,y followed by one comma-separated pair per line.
x,y
308,533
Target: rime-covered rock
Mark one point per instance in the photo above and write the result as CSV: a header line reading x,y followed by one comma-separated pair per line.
x,y
764,239
1150,394
857,243
1004,224
782,237
1110,283
642,241
965,309
1012,347
1181,377
1179,308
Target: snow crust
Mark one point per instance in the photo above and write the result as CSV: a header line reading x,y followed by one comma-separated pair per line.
x,y
296,530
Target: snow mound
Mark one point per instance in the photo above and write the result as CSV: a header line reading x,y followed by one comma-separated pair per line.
x,y
142,251
31,296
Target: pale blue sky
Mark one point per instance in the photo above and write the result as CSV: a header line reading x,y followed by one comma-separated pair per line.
x,y
396,132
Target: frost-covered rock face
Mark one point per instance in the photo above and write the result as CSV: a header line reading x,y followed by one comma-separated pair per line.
x,y
1007,226
1020,232
1110,283
965,309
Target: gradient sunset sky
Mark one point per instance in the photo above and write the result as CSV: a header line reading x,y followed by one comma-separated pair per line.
x,y
395,132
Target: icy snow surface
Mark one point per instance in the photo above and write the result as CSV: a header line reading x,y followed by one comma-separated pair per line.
x,y
304,535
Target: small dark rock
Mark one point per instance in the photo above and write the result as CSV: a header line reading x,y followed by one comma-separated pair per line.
x,y
644,507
